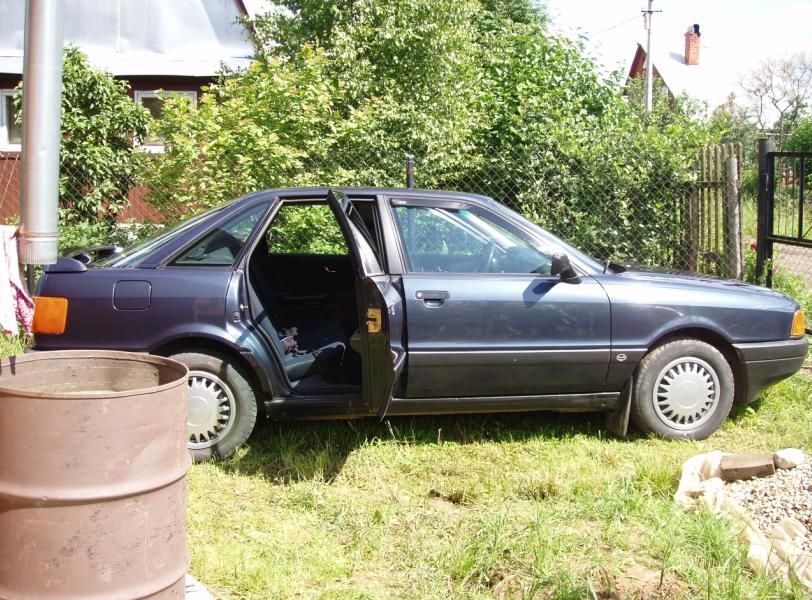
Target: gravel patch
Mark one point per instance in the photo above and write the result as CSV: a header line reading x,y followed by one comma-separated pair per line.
x,y
768,500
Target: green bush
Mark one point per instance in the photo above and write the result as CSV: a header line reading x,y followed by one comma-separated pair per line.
x,y
485,96
783,280
99,158
800,139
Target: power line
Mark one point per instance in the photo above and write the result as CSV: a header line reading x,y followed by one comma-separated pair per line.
x,y
635,17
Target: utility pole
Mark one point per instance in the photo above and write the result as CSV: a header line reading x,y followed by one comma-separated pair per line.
x,y
647,14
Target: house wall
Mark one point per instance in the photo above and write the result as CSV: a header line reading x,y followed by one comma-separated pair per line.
x,y
9,81
139,208
174,83
9,186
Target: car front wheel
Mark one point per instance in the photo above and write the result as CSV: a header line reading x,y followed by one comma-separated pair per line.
x,y
222,407
683,390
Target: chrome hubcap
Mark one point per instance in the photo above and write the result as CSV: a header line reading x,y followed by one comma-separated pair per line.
x,y
211,409
686,393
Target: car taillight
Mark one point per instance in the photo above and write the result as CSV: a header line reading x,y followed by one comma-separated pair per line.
x,y
50,314
798,324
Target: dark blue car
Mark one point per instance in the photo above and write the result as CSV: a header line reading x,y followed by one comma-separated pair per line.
x,y
311,303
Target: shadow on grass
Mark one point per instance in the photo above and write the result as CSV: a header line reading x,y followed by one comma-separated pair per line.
x,y
288,451
740,411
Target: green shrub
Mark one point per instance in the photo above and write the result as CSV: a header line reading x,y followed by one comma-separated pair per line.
x,y
99,158
783,280
484,95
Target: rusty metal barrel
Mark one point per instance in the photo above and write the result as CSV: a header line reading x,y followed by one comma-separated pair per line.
x,y
93,462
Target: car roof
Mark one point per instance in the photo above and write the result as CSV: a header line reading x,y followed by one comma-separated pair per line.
x,y
304,192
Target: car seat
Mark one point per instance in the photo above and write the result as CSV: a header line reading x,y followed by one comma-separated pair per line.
x,y
298,364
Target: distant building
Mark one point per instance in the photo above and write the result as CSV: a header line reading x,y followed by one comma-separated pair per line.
x,y
689,66
158,46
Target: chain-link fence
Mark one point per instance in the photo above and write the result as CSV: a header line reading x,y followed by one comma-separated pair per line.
x,y
694,219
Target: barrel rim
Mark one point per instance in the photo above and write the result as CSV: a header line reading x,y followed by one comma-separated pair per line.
x,y
11,361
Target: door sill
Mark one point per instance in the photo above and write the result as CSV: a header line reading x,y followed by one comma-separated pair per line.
x,y
486,404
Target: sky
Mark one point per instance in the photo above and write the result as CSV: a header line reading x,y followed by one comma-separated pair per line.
x,y
747,31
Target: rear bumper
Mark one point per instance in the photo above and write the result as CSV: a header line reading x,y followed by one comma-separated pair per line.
x,y
765,363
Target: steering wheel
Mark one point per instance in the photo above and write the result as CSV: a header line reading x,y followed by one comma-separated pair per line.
x,y
484,266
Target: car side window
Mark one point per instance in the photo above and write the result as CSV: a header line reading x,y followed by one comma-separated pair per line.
x,y
309,228
465,240
220,246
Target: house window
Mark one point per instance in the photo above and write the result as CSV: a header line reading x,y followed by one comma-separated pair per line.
x,y
10,130
153,101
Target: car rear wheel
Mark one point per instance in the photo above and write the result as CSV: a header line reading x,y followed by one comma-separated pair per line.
x,y
683,390
222,407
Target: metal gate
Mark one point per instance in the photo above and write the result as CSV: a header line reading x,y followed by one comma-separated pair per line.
x,y
784,208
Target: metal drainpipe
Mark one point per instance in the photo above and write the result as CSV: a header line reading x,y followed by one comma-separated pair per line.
x,y
42,106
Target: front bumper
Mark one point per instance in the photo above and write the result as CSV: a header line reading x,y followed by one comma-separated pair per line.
x,y
765,363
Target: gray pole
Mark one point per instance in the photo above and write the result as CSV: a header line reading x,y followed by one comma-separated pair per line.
x,y
764,247
649,63
42,106
409,171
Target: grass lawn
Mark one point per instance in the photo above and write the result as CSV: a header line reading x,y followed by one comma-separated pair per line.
x,y
498,506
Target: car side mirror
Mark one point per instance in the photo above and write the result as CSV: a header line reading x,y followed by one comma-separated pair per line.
x,y
561,266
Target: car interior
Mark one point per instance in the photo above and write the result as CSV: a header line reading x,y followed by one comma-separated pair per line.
x,y
304,300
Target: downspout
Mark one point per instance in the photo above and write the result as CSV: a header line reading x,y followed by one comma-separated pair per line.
x,y
42,111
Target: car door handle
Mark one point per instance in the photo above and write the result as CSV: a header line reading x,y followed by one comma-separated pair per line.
x,y
432,297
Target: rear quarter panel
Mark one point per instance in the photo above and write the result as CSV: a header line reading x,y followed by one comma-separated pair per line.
x,y
180,302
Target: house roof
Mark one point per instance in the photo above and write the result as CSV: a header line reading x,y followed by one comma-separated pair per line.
x,y
142,37
712,80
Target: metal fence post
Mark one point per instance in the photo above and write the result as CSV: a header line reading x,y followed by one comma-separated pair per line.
x,y
763,246
409,170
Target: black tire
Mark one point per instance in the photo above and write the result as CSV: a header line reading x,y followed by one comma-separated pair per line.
x,y
222,404
694,388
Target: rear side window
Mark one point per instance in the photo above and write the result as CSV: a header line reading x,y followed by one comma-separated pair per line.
x,y
221,246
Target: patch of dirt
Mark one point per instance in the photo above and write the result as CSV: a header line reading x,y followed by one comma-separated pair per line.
x,y
504,585
640,583
457,498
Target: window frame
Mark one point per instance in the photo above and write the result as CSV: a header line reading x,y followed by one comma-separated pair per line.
x,y
5,144
140,95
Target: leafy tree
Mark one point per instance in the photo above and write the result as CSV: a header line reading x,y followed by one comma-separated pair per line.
x,y
777,93
481,92
98,159
576,157
800,139
268,126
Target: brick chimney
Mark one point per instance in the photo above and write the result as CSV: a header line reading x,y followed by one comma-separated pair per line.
x,y
692,45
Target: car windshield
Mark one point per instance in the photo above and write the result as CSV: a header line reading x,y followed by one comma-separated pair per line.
x,y
134,253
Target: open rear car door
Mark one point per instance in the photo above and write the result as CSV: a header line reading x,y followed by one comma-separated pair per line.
x,y
380,311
